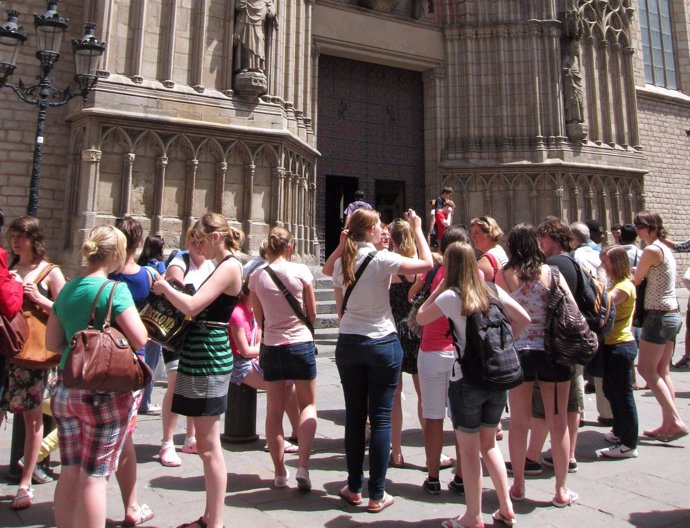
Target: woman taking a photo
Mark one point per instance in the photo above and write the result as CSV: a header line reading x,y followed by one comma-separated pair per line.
x,y
288,353
368,353
92,426
619,351
528,279
402,238
26,388
205,363
661,323
476,411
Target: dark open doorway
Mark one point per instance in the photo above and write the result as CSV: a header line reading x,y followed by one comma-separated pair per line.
x,y
390,199
340,191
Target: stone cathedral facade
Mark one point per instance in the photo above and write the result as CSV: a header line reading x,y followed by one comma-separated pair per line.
x,y
275,111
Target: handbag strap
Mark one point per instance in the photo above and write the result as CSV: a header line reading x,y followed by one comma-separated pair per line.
x,y
106,322
429,279
358,274
46,271
290,299
95,302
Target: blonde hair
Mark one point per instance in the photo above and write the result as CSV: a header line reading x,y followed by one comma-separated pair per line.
x,y
215,223
104,241
489,226
403,238
279,239
462,273
359,223
620,263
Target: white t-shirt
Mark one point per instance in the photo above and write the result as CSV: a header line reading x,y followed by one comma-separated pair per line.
x,y
281,325
589,259
368,310
451,305
195,276
500,254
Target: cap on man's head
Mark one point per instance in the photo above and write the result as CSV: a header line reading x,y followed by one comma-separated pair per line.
x,y
628,234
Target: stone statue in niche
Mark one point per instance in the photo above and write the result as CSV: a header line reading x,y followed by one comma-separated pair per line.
x,y
572,30
255,22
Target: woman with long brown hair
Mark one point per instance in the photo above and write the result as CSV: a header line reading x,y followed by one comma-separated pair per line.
x,y
661,322
368,353
476,411
206,359
26,388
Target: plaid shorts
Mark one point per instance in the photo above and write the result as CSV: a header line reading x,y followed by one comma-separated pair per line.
x,y
92,427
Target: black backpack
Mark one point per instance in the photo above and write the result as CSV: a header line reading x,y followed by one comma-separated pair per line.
x,y
593,301
490,360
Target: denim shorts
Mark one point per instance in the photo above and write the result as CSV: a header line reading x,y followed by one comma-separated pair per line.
x,y
660,328
472,407
289,362
537,365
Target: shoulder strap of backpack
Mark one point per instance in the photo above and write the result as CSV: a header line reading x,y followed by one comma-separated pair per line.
x,y
290,299
429,279
358,274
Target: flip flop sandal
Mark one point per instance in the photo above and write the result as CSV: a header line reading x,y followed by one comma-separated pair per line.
x,y
377,506
445,461
508,521
572,499
516,498
400,463
672,437
452,523
23,499
349,496
290,448
145,514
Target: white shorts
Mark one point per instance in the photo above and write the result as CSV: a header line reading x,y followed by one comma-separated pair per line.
x,y
434,370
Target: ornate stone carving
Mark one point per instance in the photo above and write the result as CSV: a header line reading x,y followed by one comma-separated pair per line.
x,y
573,92
255,23
386,6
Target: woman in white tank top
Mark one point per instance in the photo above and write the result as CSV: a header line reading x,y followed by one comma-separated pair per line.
x,y
661,323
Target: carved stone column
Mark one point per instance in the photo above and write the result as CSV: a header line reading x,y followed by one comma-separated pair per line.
x,y
138,43
157,220
127,183
87,192
313,237
188,218
248,200
280,197
559,201
221,172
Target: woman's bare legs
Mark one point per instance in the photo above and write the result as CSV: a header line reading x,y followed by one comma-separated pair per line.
x,y
275,438
558,429
215,472
33,423
306,398
520,399
653,365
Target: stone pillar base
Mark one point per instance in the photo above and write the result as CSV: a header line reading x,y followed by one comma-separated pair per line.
x,y
576,131
251,83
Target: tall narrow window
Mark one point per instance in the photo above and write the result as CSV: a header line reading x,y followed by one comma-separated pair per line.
x,y
657,43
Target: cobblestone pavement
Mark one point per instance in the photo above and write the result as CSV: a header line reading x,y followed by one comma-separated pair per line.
x,y
651,491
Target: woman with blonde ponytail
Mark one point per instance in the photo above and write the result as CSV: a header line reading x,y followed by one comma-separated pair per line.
x,y
92,426
206,360
288,352
368,353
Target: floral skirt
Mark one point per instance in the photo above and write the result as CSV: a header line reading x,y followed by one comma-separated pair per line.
x,y
25,389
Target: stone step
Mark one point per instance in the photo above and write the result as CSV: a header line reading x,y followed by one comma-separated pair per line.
x,y
327,321
326,335
325,295
325,307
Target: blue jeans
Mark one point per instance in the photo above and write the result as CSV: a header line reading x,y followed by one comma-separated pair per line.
x,y
369,371
152,353
618,361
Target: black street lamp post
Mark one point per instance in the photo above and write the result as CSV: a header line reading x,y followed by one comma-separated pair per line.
x,y
50,28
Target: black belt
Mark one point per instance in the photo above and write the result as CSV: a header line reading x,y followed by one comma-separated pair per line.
x,y
661,312
210,324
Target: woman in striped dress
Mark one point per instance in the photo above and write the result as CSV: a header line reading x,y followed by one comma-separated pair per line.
x,y
205,364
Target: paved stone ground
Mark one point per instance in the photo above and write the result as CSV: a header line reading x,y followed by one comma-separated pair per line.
x,y
651,491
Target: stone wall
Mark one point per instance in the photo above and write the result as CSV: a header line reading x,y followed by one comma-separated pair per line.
x,y
665,136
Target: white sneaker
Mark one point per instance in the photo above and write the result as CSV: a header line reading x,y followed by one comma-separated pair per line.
x,y
617,451
612,438
280,481
303,480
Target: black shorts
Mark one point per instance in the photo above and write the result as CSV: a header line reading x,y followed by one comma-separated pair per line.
x,y
537,365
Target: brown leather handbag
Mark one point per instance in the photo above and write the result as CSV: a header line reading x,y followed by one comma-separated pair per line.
x,y
13,334
34,354
101,359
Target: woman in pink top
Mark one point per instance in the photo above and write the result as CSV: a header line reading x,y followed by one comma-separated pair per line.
x,y
245,342
288,352
434,364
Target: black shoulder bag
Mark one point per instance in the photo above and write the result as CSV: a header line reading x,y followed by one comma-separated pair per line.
x,y
358,274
